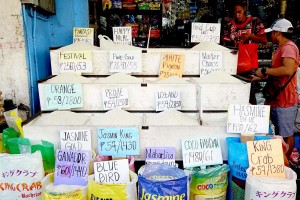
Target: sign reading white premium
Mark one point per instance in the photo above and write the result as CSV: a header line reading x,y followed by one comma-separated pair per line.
x,y
202,32
113,171
115,98
168,99
75,61
164,155
248,118
125,61
210,61
118,141
75,140
122,35
201,152
63,96
83,35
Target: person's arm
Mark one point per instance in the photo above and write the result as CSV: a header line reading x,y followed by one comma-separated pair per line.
x,y
255,38
287,69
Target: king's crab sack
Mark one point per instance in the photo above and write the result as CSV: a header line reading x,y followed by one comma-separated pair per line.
x,y
21,176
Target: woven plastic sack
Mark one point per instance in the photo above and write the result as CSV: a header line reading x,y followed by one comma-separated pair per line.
x,y
209,183
265,188
62,192
113,191
162,181
21,176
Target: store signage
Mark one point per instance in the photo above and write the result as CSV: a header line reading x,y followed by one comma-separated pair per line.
x,y
63,96
122,35
171,64
266,158
164,155
113,171
201,151
75,61
75,140
83,35
115,98
71,167
168,99
125,61
248,119
118,142
203,32
210,61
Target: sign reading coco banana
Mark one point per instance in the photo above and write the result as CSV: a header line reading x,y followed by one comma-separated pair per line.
x,y
114,98
75,140
75,61
266,158
118,141
210,61
171,64
122,35
201,152
125,61
113,171
83,35
63,96
248,118
203,32
168,99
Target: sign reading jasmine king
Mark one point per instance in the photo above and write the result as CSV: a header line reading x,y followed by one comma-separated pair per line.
x,y
248,118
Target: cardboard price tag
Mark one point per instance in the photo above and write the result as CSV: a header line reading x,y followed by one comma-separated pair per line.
x,y
122,35
83,35
171,64
202,32
75,140
75,61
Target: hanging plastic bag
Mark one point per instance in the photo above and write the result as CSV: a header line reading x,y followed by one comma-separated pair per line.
x,y
265,188
113,191
62,192
247,57
24,145
21,176
162,181
209,183
7,134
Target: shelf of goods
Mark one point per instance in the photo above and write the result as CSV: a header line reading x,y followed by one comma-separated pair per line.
x,y
204,100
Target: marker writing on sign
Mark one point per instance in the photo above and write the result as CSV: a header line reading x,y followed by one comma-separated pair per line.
x,y
161,155
107,171
254,111
74,157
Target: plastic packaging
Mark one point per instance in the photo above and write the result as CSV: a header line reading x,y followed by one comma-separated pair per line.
x,y
7,134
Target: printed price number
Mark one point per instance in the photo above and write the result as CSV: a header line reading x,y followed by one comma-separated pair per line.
x,y
267,169
119,146
73,66
64,100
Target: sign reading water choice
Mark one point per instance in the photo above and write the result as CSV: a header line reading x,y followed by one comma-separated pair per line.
x,y
201,152
210,61
203,32
83,35
248,119
125,61
118,141
75,61
63,96
122,35
266,158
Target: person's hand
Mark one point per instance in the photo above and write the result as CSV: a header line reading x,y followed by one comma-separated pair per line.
x,y
255,78
245,36
258,73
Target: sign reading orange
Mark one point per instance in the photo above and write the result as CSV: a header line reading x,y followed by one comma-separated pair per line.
x,y
266,158
171,64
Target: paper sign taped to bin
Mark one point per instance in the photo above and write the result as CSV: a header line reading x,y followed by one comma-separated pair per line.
x,y
71,167
116,97
168,100
76,140
248,118
118,141
75,61
85,35
164,155
122,35
113,171
266,158
201,151
203,32
210,61
63,96
125,61
171,64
